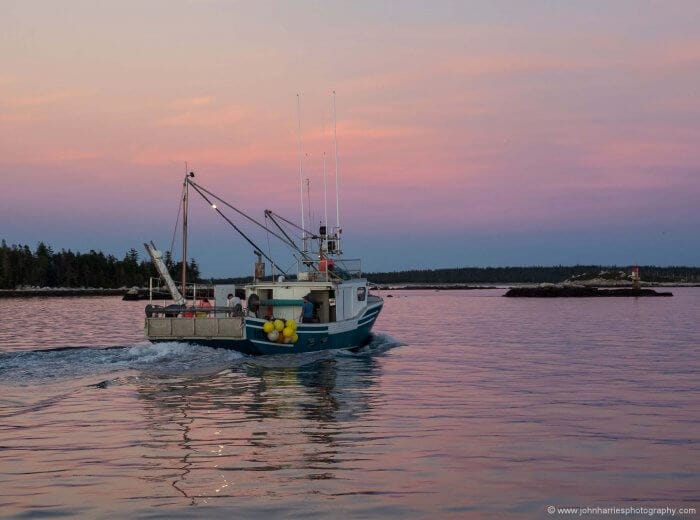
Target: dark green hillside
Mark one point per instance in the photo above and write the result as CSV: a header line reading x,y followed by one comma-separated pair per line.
x,y
533,274
20,266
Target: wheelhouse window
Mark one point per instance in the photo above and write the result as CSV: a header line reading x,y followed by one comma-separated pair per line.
x,y
361,294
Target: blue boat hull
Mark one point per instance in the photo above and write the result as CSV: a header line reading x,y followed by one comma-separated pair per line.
x,y
313,337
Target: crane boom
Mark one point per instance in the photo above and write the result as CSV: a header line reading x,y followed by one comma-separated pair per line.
x,y
157,258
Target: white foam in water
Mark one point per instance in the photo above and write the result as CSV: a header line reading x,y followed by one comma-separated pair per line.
x,y
160,358
173,353
84,361
380,343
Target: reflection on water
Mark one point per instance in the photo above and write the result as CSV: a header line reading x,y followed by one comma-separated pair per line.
x,y
258,430
465,405
256,427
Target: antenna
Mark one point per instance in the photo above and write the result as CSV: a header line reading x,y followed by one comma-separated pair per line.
x,y
337,182
308,197
325,193
301,182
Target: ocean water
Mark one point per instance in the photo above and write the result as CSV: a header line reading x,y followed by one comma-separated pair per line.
x,y
464,405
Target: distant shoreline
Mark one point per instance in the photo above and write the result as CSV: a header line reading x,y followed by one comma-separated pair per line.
x,y
580,291
505,285
62,292
431,287
93,291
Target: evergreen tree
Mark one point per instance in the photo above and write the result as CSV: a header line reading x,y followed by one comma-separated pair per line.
x,y
20,266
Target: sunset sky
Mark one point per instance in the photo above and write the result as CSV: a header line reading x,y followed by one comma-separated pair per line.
x,y
470,133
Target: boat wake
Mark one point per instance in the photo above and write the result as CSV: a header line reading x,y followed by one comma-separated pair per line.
x,y
379,344
77,362
52,365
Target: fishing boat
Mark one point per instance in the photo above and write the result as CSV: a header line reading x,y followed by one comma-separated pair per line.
x,y
325,305
340,310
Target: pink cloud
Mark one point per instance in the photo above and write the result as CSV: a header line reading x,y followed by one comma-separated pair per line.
x,y
495,131
210,155
66,155
199,117
503,64
39,100
196,101
356,130
677,54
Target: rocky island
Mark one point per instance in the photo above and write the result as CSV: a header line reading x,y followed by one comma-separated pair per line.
x,y
577,291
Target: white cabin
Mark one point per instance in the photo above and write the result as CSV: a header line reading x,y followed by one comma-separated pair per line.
x,y
332,301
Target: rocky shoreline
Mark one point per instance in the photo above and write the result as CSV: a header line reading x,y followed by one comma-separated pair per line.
x,y
432,287
540,291
578,291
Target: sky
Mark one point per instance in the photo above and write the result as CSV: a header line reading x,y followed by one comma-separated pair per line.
x,y
470,133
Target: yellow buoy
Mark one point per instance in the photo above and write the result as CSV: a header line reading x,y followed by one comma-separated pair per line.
x,y
287,332
279,325
268,327
291,324
295,338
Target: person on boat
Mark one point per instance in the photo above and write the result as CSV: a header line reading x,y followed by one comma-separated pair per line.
x,y
234,303
253,306
203,304
307,310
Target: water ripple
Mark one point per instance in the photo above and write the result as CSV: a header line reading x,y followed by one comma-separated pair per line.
x,y
465,405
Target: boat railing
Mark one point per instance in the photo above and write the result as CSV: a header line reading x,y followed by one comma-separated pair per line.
x,y
192,311
192,290
330,269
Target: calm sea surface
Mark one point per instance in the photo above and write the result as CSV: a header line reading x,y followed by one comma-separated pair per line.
x,y
465,405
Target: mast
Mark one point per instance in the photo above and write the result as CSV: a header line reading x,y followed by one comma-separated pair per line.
x,y
301,180
185,200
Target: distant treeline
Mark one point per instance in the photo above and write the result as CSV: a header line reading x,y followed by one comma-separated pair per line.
x,y
535,274
20,266
507,275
